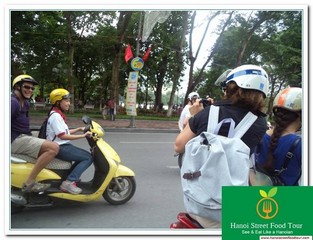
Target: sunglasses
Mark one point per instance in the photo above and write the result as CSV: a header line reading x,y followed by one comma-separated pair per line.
x,y
29,87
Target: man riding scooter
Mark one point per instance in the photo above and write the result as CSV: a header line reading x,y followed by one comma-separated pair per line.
x,y
22,141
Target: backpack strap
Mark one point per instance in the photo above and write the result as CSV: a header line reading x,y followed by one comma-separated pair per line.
x,y
213,124
213,118
288,156
245,124
49,115
238,131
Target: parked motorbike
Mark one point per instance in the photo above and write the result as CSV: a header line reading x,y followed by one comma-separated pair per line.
x,y
113,181
185,221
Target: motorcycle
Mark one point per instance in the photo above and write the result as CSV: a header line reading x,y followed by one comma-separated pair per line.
x,y
185,221
115,182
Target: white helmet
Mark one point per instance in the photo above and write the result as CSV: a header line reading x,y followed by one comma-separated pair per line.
x,y
193,94
250,77
221,81
289,98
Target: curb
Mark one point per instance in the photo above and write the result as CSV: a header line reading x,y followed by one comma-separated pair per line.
x,y
128,130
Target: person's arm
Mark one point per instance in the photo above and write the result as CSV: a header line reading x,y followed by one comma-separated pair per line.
x,y
61,129
74,137
183,137
186,119
75,130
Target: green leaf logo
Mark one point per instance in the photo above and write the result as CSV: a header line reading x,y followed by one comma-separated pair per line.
x,y
271,193
267,207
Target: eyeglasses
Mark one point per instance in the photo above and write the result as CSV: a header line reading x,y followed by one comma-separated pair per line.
x,y
28,87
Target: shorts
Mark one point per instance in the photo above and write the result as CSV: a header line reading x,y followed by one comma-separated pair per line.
x,y
28,145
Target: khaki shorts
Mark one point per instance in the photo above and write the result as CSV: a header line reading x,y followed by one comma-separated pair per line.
x,y
28,145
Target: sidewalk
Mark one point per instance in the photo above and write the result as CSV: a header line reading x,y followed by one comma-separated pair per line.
x,y
117,125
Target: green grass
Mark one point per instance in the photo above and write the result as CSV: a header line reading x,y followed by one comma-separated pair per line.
x,y
94,114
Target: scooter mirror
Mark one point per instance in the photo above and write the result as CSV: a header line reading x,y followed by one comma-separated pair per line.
x,y
86,119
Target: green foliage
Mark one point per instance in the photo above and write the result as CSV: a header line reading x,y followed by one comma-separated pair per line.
x,y
40,43
275,44
142,115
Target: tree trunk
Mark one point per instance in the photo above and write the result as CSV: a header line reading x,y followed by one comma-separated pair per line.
x,y
249,36
71,50
159,82
192,82
122,24
179,66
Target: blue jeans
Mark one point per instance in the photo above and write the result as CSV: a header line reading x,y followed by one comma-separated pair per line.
x,y
82,160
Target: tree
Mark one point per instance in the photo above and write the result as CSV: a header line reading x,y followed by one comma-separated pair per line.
x,y
194,81
264,38
123,21
82,50
179,66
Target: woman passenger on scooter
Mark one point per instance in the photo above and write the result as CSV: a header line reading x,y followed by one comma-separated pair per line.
x,y
59,132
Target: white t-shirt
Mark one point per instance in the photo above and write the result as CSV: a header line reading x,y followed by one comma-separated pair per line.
x,y
184,114
55,127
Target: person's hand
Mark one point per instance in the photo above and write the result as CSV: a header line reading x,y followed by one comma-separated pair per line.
x,y
88,134
79,129
211,100
196,107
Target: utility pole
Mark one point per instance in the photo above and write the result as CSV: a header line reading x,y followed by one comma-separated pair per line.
x,y
132,118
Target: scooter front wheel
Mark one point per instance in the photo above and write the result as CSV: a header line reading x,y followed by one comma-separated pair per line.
x,y
120,190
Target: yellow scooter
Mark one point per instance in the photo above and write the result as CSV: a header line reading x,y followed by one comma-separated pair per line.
x,y
115,182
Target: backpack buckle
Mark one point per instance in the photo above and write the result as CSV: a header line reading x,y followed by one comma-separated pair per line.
x,y
190,176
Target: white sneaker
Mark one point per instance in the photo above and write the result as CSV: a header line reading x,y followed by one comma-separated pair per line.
x,y
68,186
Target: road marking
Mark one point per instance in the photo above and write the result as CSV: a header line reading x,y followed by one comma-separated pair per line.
x,y
172,167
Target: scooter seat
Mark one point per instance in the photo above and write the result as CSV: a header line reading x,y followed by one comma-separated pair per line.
x,y
54,164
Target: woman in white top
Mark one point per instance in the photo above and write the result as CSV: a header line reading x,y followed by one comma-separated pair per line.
x,y
185,114
59,132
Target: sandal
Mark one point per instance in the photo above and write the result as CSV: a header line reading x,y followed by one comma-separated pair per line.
x,y
35,187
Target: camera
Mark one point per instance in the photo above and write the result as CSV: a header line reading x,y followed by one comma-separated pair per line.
x,y
205,102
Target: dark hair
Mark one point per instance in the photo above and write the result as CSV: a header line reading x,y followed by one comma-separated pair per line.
x,y
248,98
283,118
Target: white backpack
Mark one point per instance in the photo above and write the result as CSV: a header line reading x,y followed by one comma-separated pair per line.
x,y
212,161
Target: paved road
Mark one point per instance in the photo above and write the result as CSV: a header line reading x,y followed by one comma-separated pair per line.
x,y
155,205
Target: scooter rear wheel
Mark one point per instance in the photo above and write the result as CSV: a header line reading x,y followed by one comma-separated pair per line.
x,y
121,192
